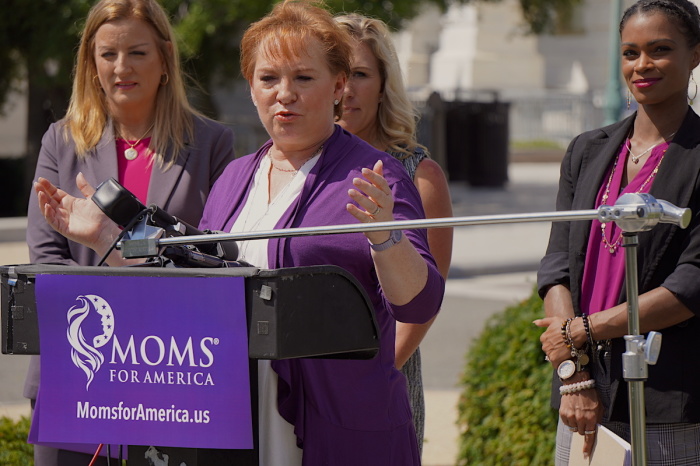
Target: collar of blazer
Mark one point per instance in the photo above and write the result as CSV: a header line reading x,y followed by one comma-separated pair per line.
x,y
678,178
681,163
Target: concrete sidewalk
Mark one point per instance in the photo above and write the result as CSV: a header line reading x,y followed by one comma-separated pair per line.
x,y
493,266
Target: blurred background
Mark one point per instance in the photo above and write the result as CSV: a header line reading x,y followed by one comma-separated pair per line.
x,y
495,80
502,87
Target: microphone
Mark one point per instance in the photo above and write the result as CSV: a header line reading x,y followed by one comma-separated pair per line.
x,y
122,207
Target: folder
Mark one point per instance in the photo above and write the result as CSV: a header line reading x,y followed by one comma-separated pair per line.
x,y
609,450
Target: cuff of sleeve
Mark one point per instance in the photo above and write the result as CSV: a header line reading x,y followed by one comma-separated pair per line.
x,y
554,270
426,304
683,283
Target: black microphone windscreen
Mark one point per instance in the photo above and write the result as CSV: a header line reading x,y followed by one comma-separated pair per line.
x,y
117,203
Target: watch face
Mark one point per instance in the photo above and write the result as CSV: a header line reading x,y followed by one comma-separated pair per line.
x,y
566,369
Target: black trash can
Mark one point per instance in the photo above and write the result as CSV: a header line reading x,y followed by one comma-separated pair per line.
x,y
477,142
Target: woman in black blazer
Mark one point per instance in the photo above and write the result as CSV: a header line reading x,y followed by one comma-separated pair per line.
x,y
581,277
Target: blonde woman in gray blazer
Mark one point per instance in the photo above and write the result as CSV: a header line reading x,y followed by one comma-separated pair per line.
x,y
128,102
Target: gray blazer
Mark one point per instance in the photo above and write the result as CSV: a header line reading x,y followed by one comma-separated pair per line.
x,y
181,190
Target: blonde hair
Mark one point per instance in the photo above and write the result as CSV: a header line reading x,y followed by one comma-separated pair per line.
x,y
88,113
286,31
396,115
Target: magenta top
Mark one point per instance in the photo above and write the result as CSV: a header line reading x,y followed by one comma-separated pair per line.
x,y
604,272
135,175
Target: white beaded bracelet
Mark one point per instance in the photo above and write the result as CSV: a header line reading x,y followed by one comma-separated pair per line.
x,y
576,387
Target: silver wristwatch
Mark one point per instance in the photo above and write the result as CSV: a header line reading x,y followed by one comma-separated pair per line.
x,y
394,237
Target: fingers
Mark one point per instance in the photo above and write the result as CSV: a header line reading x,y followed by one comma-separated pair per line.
x,y
45,194
83,185
545,322
589,437
373,194
378,168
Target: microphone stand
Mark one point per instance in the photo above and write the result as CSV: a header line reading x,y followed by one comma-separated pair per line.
x,y
633,213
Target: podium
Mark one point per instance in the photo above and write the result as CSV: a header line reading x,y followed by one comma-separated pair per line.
x,y
300,312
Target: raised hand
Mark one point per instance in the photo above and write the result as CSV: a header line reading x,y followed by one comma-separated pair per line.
x,y
78,219
375,197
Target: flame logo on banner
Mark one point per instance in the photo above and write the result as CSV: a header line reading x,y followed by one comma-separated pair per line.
x,y
86,356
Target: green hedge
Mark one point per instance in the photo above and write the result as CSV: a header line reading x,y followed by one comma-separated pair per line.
x,y
14,449
504,412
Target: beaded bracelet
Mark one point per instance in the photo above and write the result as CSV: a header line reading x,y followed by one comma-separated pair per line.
x,y
566,336
587,328
576,387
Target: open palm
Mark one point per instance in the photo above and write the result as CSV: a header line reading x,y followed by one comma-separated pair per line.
x,y
78,219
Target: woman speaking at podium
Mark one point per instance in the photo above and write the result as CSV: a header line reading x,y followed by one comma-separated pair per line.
x,y
313,173
582,275
129,119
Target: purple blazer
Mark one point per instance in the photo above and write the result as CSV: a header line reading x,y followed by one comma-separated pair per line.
x,y
344,412
181,190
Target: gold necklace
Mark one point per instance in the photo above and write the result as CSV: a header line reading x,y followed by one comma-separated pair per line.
x,y
635,158
612,247
293,171
131,153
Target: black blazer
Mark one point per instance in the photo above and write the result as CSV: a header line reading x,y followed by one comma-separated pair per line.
x,y
667,256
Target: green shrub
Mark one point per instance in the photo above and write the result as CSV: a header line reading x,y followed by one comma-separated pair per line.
x,y
14,449
504,412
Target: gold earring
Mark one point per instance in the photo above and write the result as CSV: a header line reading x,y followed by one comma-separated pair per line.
x,y
691,99
629,99
167,79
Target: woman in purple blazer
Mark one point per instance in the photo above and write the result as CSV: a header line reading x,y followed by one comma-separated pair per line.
x,y
310,173
129,119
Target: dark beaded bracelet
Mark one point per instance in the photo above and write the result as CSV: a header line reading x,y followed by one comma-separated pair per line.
x,y
587,328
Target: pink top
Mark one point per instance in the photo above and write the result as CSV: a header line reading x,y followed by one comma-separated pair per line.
x,y
135,175
604,272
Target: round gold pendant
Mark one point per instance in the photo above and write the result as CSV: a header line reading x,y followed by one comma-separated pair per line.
x,y
612,250
130,153
583,359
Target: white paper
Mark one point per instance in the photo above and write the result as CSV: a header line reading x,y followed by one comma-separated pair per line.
x,y
608,450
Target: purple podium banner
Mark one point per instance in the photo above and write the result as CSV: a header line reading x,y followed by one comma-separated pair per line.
x,y
143,361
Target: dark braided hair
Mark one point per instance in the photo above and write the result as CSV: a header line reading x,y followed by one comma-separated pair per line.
x,y
683,13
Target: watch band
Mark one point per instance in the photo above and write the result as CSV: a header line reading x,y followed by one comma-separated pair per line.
x,y
394,237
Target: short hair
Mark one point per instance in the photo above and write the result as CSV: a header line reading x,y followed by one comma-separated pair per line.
x,y
682,12
396,114
285,32
88,113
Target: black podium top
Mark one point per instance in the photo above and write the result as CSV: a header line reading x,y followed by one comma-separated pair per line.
x,y
299,312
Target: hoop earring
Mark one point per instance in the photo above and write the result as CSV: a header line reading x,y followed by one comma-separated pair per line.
x,y
629,99
691,99
167,79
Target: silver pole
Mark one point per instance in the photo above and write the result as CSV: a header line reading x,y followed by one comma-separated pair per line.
x,y
634,364
385,226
